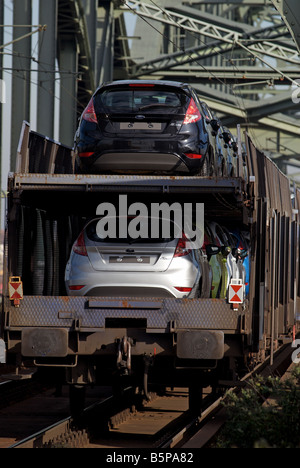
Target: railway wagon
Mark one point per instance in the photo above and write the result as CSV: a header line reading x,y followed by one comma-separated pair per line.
x,y
146,341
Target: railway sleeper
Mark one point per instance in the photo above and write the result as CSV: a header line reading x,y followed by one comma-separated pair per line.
x,y
70,439
124,415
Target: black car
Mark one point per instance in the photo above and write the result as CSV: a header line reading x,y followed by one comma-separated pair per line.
x,y
143,126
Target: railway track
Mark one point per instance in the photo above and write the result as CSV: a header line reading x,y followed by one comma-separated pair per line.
x,y
22,417
215,418
14,391
160,424
141,425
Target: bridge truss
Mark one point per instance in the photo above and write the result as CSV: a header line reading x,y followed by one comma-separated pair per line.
x,y
242,56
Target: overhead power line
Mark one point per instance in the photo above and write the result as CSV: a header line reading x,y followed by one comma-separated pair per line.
x,y
217,32
39,29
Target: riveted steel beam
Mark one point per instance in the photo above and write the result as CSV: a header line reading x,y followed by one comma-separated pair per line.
x,y
230,75
235,110
72,22
255,3
203,51
209,26
46,77
21,76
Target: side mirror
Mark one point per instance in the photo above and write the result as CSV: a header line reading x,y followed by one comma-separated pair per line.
x,y
236,252
215,125
244,254
225,250
235,146
227,137
212,249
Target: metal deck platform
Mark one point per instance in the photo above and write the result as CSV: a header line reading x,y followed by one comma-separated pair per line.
x,y
113,183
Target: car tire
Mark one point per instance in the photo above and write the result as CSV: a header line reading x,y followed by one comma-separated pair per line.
x,y
207,168
196,293
220,167
224,169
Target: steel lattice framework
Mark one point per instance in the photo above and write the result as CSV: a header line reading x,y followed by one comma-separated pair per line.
x,y
210,51
207,26
242,56
239,55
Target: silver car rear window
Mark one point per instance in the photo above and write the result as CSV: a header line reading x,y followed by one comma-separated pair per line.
x,y
112,230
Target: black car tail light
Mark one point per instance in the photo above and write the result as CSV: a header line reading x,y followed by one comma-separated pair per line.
x,y
89,113
192,114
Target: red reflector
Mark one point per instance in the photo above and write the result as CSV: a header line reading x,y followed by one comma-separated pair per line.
x,y
76,287
193,156
141,85
192,114
182,289
86,155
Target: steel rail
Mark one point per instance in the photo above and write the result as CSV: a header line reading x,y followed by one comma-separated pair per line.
x,y
198,432
66,426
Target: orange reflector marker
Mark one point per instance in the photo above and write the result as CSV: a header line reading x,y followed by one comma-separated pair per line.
x,y
15,289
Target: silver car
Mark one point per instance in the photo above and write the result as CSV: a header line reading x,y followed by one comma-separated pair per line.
x,y
141,267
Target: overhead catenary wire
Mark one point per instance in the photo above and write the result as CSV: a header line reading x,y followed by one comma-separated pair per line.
x,y
39,29
42,64
234,38
11,71
222,82
222,33
44,67
172,42
235,43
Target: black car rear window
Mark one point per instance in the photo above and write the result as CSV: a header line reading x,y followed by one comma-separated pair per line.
x,y
143,226
140,99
